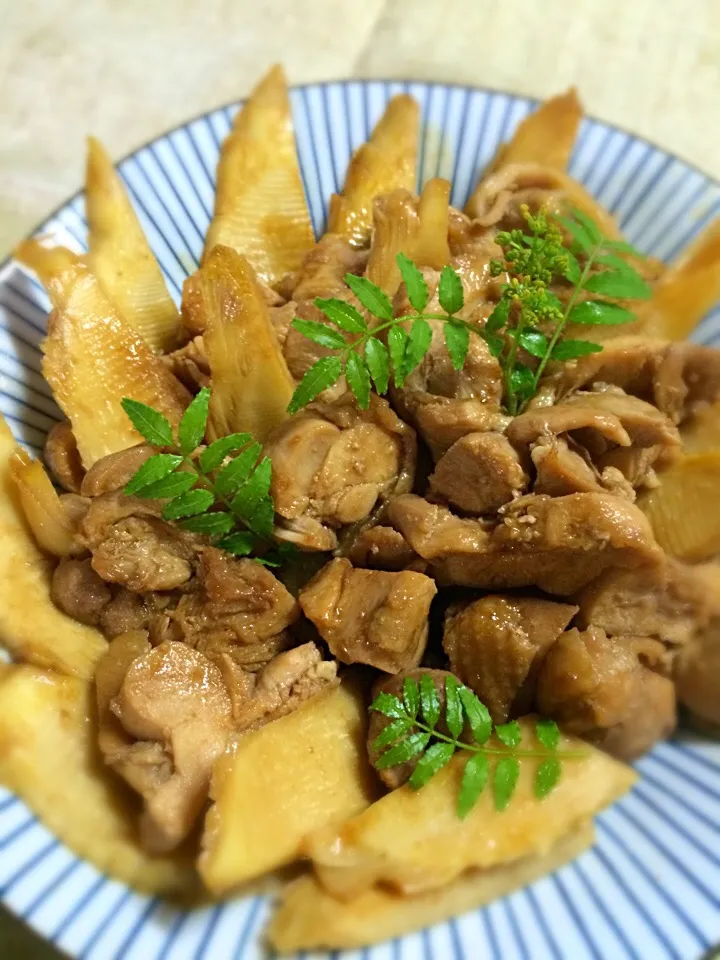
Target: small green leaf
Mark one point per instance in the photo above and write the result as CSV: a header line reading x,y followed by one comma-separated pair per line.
x,y
498,318
212,524
188,504
507,771
522,381
389,706
430,763
252,501
392,732
239,544
450,290
534,342
429,700
213,456
547,777
411,696
236,472
588,224
320,333
478,716
495,343
581,237
375,300
418,344
572,271
621,284
548,733
171,486
319,377
474,779
378,363
148,423
453,707
342,314
509,733
457,341
600,313
191,431
397,343
570,349
153,469
403,751
622,247
614,261
414,281
358,378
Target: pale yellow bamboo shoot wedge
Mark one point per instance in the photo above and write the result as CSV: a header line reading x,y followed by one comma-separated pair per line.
x,y
387,161
41,505
260,206
412,841
684,509
688,289
49,757
251,384
94,358
121,258
310,918
47,261
31,626
546,136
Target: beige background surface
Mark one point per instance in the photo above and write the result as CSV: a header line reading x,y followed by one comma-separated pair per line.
x,y
129,69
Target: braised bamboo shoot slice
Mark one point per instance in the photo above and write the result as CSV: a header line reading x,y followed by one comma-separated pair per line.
x,y
414,841
387,161
41,505
310,918
121,258
260,206
38,255
94,358
251,384
49,757
683,509
546,136
688,289
31,626
396,225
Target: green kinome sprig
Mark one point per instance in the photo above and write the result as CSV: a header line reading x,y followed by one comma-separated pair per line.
x,y
529,317
215,493
413,733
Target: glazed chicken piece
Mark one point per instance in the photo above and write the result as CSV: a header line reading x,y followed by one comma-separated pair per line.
x,y
559,470
497,644
332,462
63,458
174,699
79,591
241,610
383,548
668,602
478,474
279,688
113,472
599,688
370,616
133,611
697,677
557,544
394,777
190,364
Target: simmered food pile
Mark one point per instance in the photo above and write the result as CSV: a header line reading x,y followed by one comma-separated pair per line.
x,y
454,467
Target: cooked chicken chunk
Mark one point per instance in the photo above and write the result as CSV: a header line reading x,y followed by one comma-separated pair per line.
x,y
133,611
370,616
281,687
478,474
78,591
332,462
63,458
394,777
567,418
113,472
697,677
383,548
560,471
176,698
667,602
598,687
558,544
190,364
497,644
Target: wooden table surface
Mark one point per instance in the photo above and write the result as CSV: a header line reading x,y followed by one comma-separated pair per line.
x,y
126,71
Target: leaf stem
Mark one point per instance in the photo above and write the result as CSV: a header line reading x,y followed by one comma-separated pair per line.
x,y
207,483
498,751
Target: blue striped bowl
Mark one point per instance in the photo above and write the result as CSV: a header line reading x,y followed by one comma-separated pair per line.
x,y
650,888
